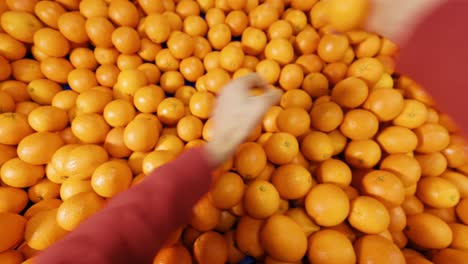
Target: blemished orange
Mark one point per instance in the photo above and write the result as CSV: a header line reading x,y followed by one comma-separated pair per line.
x,y
210,247
227,191
428,231
263,16
292,181
359,124
13,128
384,186
291,77
71,187
42,230
363,154
72,212
296,98
294,120
13,200
438,192
326,116
331,247
334,171
12,226
261,199
327,212
431,138
269,69
205,216
283,239
280,50
43,190
375,248
405,167
396,139
119,113
368,215
249,160
350,92
20,174
386,104
281,148
332,47
317,146
111,178
247,236
81,160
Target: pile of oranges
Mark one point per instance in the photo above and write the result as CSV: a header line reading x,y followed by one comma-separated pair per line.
x,y
355,164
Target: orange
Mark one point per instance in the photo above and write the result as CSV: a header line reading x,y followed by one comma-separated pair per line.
x,y
395,139
12,226
210,247
253,41
26,107
17,90
91,8
201,47
43,190
263,16
461,210
432,164
315,84
123,13
172,80
219,35
156,159
135,161
397,219
20,25
49,12
227,191
283,239
189,128
6,153
147,98
56,69
350,92
449,215
294,120
170,143
460,236
14,200
78,208
99,30
386,104
339,141
281,148
148,49
297,19
324,246
363,153
269,69
119,113
184,94
248,236
126,39
17,173
170,111
334,171
368,69
90,128
205,216
42,230
456,154
317,146
359,124
310,63
83,58
115,145
291,77
335,72
249,160
299,215
327,212
261,199
180,45
111,178
25,70
296,98
332,47
384,186
51,42
72,26
369,47
231,58
449,255
292,181
129,61
345,16
201,104
185,8
368,215
195,26
459,179
214,16
11,257
431,138
173,254
141,134
237,21
280,50
307,41
405,167
412,205
81,80
375,248
7,103
6,69
438,192
11,48
226,223
326,116
234,254
191,68
27,252
269,120
428,231
81,161
48,118
93,100
70,187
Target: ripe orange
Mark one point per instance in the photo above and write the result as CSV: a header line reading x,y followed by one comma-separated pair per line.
x,y
51,42
141,134
317,146
173,254
210,247
170,111
99,30
49,12
201,103
123,13
17,173
293,120
335,71
432,138
14,200
25,70
405,167
350,92
375,248
438,192
81,161
111,178
231,58
326,116
249,160
156,159
412,205
363,154
368,69
71,187
253,41
332,47
315,84
263,16
195,26
327,212
43,190
11,257
386,104
261,199
296,98
459,179
13,128
384,186
280,50
324,246
334,171
227,191
292,181
291,77
205,216
12,226
114,143
90,128
359,124
118,113
368,215
72,26
72,212
191,68
428,231
395,139
269,69
42,230
281,148
248,236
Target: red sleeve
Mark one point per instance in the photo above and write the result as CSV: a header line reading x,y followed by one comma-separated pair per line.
x,y
436,56
135,224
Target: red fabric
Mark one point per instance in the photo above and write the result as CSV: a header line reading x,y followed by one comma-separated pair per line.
x,y
436,56
135,224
